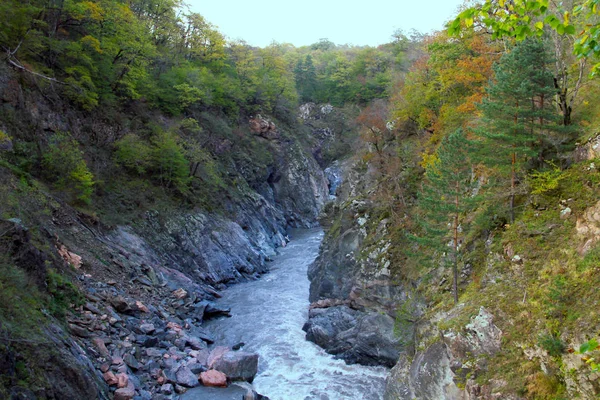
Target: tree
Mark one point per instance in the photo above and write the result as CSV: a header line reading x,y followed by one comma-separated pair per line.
x,y
518,119
522,19
445,200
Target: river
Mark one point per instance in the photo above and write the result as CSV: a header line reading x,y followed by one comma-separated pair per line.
x,y
268,314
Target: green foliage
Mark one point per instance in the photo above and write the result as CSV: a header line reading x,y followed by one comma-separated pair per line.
x,y
545,181
64,164
445,200
518,115
133,153
63,294
552,344
521,19
20,301
169,163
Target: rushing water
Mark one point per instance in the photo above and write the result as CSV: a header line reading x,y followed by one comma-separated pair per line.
x,y
268,314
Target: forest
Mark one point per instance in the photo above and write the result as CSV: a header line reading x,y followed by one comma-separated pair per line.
x,y
477,145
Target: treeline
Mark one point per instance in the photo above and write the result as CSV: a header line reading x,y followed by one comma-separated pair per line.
x,y
109,51
122,61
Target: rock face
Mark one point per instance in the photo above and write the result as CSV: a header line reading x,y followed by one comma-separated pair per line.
x,y
445,369
354,298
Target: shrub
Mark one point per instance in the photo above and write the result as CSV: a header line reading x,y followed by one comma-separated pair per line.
x,y
63,293
133,153
64,165
552,344
169,162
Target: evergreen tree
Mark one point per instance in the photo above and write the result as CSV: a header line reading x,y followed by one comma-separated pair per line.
x,y
518,119
445,199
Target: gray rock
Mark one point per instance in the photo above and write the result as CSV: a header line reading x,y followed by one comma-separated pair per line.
x,y
147,329
237,365
131,361
167,388
186,378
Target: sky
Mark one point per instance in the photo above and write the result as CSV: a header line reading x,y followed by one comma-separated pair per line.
x,y
304,22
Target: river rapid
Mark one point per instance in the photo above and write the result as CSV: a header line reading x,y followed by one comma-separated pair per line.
x,y
268,314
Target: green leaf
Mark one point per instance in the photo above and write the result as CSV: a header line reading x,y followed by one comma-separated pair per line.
x,y
539,25
588,346
570,29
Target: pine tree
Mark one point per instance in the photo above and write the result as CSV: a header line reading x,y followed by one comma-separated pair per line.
x,y
518,119
445,199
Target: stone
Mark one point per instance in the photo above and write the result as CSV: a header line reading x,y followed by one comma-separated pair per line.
x,y
196,368
125,393
237,365
79,331
181,389
150,341
167,389
110,378
215,354
213,378
195,343
100,346
147,328
141,307
131,361
565,213
122,380
120,304
186,377
70,258
180,293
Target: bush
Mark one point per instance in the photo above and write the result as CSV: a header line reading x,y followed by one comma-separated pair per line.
x,y
64,294
64,164
169,162
552,344
133,153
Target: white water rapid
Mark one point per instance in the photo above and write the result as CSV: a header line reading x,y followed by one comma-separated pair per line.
x,y
268,314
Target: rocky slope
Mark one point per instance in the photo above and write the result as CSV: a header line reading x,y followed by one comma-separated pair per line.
x,y
354,297
140,290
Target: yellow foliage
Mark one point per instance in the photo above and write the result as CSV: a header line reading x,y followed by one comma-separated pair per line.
x,y
429,161
92,42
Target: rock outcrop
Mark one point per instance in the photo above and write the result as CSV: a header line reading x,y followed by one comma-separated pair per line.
x,y
354,297
447,367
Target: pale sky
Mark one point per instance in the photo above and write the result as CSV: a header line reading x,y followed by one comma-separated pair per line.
x,y
303,22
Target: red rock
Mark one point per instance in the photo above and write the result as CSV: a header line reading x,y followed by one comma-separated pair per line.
x,y
123,380
140,306
116,360
71,258
110,378
100,346
216,354
104,367
125,393
213,378
180,293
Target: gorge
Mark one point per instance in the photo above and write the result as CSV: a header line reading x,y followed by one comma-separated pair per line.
x,y
186,216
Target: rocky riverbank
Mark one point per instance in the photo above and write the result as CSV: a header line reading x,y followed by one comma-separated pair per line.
x,y
141,291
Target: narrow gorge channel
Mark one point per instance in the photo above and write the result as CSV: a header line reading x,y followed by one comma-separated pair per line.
x,y
268,314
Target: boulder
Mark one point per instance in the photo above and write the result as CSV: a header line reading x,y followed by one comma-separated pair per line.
x,y
213,378
237,365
